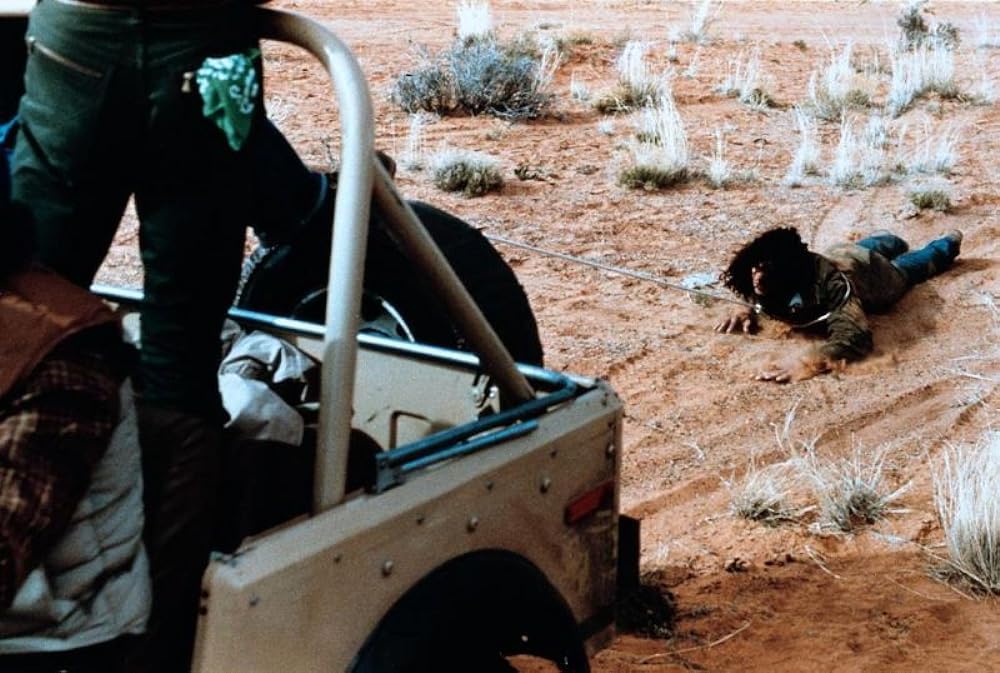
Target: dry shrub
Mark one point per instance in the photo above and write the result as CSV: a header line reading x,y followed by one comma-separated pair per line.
x,y
967,498
480,76
933,199
660,158
472,173
806,159
916,33
764,494
851,491
637,87
838,88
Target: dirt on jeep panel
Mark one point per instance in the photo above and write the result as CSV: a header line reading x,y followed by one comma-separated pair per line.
x,y
795,596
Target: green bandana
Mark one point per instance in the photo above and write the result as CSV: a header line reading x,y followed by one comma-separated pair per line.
x,y
229,88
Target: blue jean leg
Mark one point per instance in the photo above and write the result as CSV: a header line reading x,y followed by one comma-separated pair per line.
x,y
888,245
930,260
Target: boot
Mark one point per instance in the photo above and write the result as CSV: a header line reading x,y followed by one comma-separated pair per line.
x,y
182,462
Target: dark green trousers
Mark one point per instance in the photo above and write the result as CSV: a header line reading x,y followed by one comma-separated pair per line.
x,y
107,115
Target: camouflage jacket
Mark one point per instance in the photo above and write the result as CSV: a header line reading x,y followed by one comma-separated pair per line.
x,y
848,281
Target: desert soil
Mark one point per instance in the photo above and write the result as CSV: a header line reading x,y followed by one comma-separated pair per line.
x,y
749,597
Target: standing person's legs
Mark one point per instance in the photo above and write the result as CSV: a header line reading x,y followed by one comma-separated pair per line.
x,y
884,243
70,167
194,202
930,260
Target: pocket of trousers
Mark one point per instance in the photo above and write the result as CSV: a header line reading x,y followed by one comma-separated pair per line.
x,y
61,109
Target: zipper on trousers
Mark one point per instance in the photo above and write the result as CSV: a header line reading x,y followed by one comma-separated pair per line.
x,y
34,44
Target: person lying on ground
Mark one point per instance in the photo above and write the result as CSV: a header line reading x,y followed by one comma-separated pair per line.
x,y
777,275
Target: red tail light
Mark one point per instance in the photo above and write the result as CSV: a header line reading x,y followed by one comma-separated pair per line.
x,y
582,506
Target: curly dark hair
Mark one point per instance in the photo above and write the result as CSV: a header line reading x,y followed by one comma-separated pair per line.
x,y
781,249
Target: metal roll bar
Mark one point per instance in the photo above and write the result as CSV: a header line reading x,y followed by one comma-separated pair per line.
x,y
359,171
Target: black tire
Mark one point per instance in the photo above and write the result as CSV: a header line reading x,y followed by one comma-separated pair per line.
x,y
290,280
471,614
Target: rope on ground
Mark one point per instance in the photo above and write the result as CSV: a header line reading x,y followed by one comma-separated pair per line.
x,y
660,655
614,269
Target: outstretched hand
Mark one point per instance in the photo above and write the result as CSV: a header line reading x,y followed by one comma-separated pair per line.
x,y
740,320
793,368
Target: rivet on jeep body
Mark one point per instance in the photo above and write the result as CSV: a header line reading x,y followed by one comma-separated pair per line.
x,y
387,568
610,449
473,524
545,485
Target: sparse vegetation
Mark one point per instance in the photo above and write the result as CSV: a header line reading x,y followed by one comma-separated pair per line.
x,y
967,498
475,22
983,92
917,73
935,150
743,81
851,491
987,33
702,14
488,78
568,42
412,157
472,173
578,91
660,158
637,87
427,88
480,75
719,173
806,159
932,199
917,34
838,88
764,494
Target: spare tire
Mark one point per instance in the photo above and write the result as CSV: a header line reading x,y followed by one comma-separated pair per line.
x,y
290,280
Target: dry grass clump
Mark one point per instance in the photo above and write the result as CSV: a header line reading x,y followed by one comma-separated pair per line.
x,y
917,73
472,173
984,90
875,156
987,33
637,86
489,78
480,75
660,156
719,173
967,498
475,22
702,14
931,199
412,157
851,491
744,82
806,159
764,494
935,149
915,32
838,88
578,91
427,88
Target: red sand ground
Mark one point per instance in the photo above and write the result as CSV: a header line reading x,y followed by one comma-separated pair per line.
x,y
792,600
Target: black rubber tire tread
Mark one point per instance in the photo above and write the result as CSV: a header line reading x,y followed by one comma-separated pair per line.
x,y
278,279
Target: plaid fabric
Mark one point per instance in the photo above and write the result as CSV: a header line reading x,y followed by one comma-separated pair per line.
x,y
54,427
